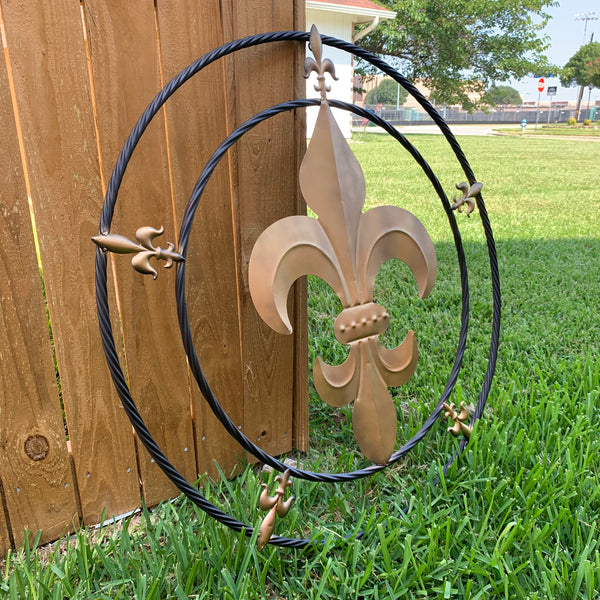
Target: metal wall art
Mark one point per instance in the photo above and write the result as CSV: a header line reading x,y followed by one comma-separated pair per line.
x,y
345,247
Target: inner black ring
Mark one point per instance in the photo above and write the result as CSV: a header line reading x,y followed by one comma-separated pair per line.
x,y
184,325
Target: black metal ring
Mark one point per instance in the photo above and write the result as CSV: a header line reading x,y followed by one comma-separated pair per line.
x,y
184,325
106,219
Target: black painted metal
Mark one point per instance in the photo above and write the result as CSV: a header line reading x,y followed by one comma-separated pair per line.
x,y
101,272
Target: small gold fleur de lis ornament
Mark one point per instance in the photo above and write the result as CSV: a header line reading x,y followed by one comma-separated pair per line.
x,y
346,248
467,197
460,420
319,66
276,506
143,249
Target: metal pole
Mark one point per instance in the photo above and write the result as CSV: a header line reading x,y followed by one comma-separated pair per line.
x,y
579,97
549,110
589,16
537,112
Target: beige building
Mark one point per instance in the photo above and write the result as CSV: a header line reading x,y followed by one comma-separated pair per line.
x,y
339,18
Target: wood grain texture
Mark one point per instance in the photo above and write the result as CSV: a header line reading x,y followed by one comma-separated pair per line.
x,y
49,66
125,67
34,465
197,124
5,542
265,182
300,425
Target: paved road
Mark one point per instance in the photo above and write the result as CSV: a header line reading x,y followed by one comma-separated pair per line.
x,y
487,129
458,129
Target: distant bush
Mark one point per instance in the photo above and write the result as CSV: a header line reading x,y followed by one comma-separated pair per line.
x,y
587,123
571,122
388,92
502,94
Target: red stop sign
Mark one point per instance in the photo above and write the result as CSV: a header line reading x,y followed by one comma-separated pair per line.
x,y
541,84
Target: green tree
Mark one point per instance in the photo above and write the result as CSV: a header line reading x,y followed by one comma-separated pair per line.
x,y
460,47
583,67
502,94
386,93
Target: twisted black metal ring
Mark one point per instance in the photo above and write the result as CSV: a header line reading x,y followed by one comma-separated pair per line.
x,y
106,219
184,325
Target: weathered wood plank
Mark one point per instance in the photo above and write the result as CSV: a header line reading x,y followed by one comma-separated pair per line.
x,y
4,534
300,408
197,123
34,464
125,67
48,57
267,191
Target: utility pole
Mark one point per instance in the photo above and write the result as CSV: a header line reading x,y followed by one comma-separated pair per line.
x,y
589,16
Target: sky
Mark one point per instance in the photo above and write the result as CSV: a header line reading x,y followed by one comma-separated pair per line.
x,y
566,37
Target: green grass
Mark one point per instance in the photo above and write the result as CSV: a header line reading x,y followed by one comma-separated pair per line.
x,y
516,517
558,130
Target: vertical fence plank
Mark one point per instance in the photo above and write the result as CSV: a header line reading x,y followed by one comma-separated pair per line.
x,y
125,67
300,406
48,57
267,191
34,464
4,536
197,124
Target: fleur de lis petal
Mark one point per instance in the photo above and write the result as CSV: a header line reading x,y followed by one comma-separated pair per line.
x,y
346,248
143,249
276,506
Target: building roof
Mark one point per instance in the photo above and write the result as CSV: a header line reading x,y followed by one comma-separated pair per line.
x,y
363,8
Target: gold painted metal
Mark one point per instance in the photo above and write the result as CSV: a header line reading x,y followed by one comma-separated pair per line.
x,y
276,506
346,248
468,193
143,249
317,64
460,420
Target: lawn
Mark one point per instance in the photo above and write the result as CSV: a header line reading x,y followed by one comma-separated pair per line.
x,y
554,130
517,516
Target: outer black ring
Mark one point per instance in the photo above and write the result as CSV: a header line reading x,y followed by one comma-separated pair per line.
x,y
184,325
106,219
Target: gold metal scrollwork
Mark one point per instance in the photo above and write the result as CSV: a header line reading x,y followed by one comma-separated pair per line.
x,y
468,194
346,248
143,249
317,64
276,506
460,420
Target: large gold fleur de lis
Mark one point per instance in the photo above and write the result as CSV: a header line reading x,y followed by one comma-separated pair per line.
x,y
346,248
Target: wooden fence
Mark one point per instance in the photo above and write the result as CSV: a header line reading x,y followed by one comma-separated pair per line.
x,y
74,78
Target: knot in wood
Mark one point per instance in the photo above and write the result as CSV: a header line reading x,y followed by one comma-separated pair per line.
x,y
360,322
37,447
